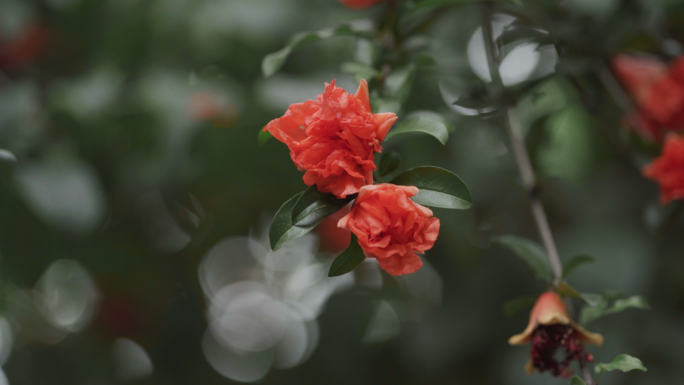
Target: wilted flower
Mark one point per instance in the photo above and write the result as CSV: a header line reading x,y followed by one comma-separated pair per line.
x,y
359,4
334,139
658,91
391,227
668,169
550,329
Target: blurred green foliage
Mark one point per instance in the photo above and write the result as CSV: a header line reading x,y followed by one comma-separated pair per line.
x,y
128,130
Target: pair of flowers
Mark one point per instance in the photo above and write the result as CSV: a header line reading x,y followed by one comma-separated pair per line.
x,y
334,139
658,91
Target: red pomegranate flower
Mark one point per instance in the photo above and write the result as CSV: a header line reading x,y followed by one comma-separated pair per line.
x,y
550,329
359,4
334,139
668,169
391,227
658,91
18,53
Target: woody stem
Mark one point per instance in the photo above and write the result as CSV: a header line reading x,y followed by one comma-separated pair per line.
x,y
519,151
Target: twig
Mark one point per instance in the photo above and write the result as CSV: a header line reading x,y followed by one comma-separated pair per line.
x,y
612,85
586,375
521,156
523,161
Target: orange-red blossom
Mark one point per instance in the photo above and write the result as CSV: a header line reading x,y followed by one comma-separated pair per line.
x,y
668,169
334,139
391,227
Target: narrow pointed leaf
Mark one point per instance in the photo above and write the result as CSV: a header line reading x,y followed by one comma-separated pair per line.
x,y
313,206
575,380
635,302
623,362
474,100
578,260
274,61
398,83
348,260
525,33
359,70
389,162
282,228
426,122
590,313
530,252
437,187
569,291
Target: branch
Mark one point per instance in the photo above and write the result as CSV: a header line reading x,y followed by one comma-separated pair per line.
x,y
520,152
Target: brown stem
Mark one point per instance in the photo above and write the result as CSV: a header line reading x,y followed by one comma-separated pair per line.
x,y
586,376
520,152
523,161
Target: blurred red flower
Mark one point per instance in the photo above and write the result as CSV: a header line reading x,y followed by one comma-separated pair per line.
x,y
334,139
208,106
21,51
549,329
359,4
668,169
658,91
391,227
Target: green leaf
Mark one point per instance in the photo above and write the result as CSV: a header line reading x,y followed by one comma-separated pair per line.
x,y
592,313
423,121
274,61
367,51
635,302
475,99
263,137
525,33
437,187
569,291
282,228
425,59
380,105
359,70
516,305
575,380
623,362
530,252
593,299
348,260
389,162
575,262
399,82
313,206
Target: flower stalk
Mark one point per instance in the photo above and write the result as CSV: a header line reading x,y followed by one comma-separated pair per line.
x,y
522,158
